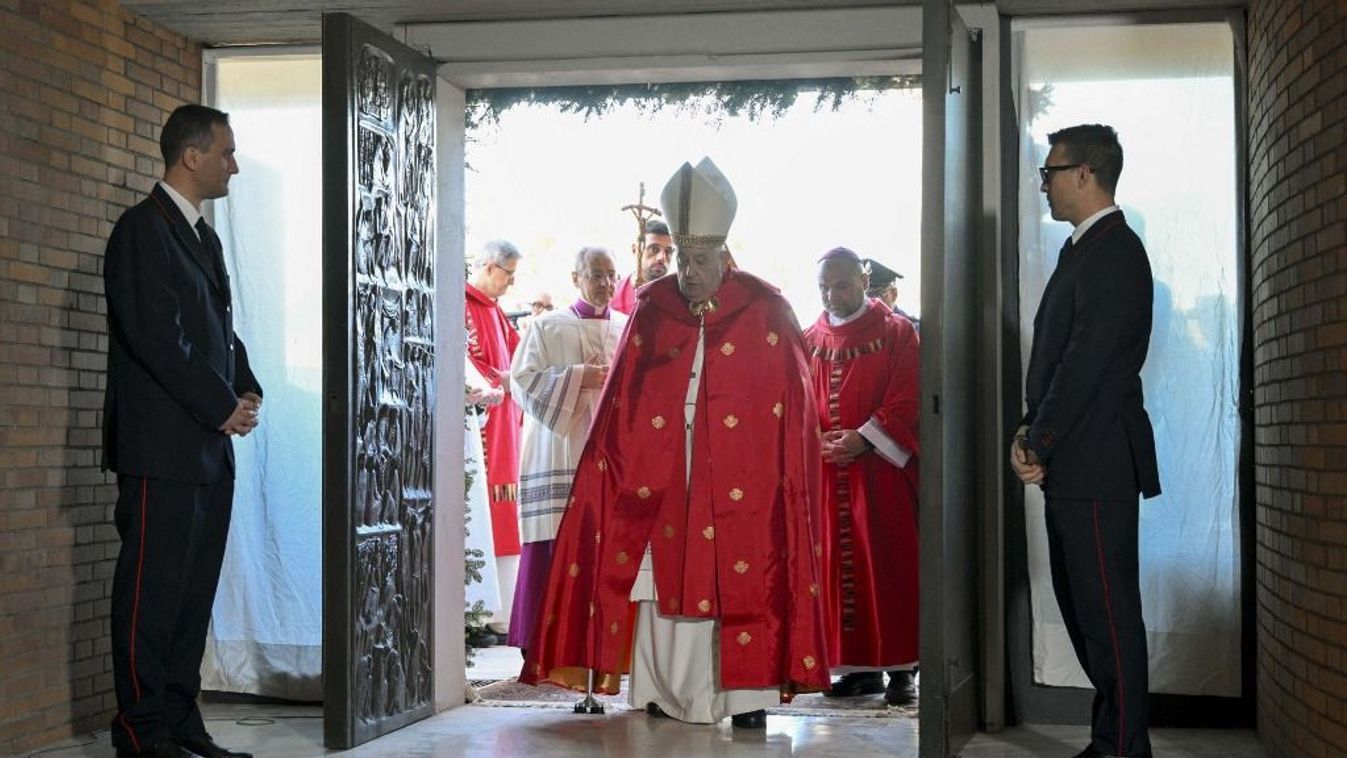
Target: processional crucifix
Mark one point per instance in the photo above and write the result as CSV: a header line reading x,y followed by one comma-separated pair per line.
x,y
642,213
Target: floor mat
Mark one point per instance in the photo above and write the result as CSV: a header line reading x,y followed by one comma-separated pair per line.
x,y
510,693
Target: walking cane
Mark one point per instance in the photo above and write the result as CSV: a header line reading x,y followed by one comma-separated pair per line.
x,y
589,706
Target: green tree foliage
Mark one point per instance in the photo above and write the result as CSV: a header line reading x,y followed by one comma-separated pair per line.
x,y
755,98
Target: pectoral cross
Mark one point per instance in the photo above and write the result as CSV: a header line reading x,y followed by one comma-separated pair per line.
x,y
642,213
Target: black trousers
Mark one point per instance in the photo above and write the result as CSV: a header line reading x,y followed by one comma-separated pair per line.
x,y
1092,548
173,542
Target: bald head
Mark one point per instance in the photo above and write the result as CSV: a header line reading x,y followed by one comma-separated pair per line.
x,y
842,281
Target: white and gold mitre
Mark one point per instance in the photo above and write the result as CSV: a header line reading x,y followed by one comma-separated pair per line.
x,y
699,204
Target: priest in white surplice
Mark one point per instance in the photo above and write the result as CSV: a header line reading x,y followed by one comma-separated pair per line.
x,y
557,372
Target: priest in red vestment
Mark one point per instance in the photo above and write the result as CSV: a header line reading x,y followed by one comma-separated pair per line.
x,y
652,262
491,345
696,496
865,363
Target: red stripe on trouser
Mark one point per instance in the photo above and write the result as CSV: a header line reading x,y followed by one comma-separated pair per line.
x,y
1112,629
135,604
129,731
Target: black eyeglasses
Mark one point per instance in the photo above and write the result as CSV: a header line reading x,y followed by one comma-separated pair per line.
x,y
1045,172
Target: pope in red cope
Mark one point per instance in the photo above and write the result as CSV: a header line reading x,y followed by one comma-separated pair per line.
x,y
696,497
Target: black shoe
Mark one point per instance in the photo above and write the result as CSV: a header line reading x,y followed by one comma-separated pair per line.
x,y
860,683
157,750
751,720
482,638
902,690
1091,752
654,711
205,747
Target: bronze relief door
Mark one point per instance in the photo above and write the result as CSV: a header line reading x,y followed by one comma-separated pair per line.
x,y
379,366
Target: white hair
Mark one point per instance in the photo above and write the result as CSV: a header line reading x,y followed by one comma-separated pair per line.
x,y
582,257
499,252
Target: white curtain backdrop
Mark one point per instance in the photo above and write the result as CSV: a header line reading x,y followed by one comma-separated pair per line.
x,y
1168,90
266,629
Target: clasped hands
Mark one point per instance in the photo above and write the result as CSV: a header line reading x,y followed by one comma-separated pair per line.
x,y
486,397
842,446
244,418
594,376
1024,461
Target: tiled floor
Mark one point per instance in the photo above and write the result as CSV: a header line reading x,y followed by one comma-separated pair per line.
x,y
473,731
496,732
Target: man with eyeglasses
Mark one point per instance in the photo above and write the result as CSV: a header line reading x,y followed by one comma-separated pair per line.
x,y
653,257
491,343
1086,438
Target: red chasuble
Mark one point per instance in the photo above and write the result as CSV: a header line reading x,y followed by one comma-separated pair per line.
x,y
740,543
868,369
491,345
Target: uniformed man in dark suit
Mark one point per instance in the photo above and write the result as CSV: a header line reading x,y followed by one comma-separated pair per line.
x,y
1086,439
884,286
179,388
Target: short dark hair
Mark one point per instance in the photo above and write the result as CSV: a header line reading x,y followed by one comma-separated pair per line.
x,y
655,226
188,126
1096,146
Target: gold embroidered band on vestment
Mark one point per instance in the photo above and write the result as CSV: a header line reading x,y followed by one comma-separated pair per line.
x,y
698,240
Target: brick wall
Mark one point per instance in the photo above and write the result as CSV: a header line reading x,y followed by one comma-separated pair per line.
x,y
84,87
1298,222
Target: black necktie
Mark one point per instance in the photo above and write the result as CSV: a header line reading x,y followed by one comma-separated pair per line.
x,y
1067,252
215,250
